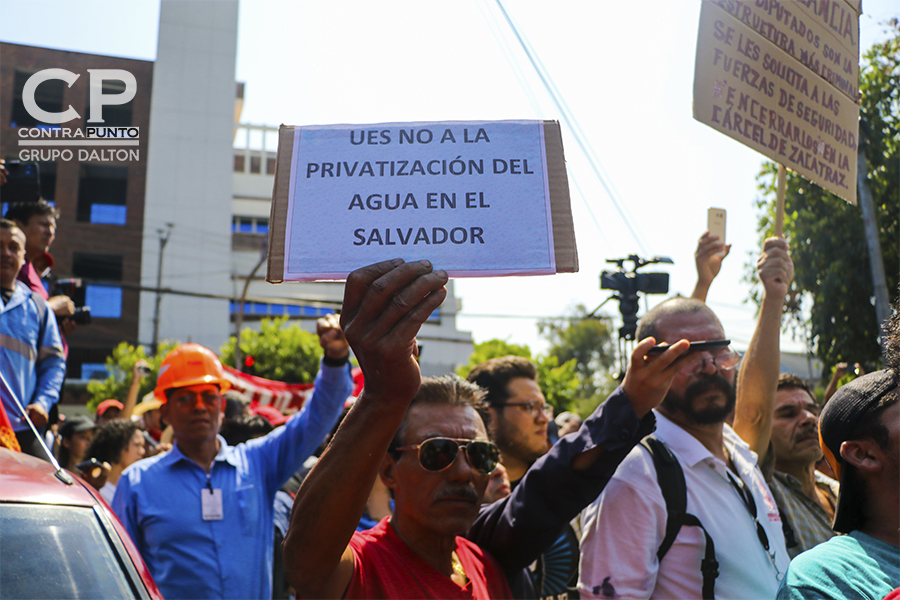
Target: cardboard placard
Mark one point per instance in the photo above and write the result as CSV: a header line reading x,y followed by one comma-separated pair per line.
x,y
476,198
823,36
753,91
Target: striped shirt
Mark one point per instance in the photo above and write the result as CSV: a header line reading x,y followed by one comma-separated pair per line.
x,y
810,522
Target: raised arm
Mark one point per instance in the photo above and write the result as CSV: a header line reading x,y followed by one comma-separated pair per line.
x,y
758,376
840,370
283,451
137,374
384,306
709,262
517,529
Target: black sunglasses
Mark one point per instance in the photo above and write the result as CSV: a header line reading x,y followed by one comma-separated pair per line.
x,y
436,454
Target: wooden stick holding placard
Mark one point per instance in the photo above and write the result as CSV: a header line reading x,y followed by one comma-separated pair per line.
x,y
779,201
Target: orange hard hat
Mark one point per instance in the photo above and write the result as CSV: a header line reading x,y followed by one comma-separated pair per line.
x,y
189,364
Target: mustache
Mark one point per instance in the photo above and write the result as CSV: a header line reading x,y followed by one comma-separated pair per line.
x,y
812,432
463,492
707,383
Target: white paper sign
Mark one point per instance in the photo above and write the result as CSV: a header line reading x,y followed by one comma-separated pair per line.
x,y
472,197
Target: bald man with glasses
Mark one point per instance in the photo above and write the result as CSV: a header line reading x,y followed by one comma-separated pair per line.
x,y
725,488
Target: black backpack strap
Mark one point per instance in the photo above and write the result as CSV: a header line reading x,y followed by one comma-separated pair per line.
x,y
674,490
790,540
709,566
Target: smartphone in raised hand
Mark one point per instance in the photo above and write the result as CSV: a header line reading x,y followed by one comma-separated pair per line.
x,y
695,346
715,224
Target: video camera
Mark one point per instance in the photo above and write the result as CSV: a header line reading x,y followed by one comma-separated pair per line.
x,y
74,289
629,283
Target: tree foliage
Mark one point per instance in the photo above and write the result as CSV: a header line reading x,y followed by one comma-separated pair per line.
x,y
120,365
828,245
558,382
589,342
575,373
493,349
280,351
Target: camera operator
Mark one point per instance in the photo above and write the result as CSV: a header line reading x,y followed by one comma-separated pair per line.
x,y
38,221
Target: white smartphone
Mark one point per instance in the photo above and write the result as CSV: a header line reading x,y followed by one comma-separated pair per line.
x,y
715,224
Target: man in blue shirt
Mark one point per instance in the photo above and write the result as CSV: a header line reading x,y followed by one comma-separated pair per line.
x,y
32,365
201,514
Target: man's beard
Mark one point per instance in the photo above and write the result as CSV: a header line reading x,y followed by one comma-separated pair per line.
x,y
518,444
706,416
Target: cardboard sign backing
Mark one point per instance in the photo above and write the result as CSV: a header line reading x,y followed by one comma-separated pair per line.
x,y
783,79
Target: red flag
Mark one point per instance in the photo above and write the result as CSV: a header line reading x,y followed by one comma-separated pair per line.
x,y
7,435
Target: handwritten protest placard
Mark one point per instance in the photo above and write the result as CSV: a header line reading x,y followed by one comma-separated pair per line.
x,y
783,78
475,198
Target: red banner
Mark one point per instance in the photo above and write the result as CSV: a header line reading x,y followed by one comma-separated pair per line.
x,y
288,398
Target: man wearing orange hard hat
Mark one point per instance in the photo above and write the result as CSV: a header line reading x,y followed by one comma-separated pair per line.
x,y
201,513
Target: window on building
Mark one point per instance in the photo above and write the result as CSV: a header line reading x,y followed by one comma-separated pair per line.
x,y
276,309
48,180
100,267
270,165
102,272
94,371
48,96
255,164
102,193
258,225
240,163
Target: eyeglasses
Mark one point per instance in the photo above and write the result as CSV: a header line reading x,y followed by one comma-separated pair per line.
x,y
188,399
724,359
436,454
533,407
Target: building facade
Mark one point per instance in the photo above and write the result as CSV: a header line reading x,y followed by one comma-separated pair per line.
x,y
165,232
443,347
99,191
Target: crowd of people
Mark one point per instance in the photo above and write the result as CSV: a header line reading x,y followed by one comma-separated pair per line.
x,y
704,474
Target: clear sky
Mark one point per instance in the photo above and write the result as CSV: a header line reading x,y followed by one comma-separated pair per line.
x,y
624,69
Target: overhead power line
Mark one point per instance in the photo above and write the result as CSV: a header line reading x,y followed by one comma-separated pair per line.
x,y
571,122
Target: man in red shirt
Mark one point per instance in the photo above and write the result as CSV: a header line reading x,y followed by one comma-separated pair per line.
x,y
38,221
436,466
427,442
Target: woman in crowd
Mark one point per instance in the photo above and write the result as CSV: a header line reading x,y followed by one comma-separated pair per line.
x,y
75,435
119,443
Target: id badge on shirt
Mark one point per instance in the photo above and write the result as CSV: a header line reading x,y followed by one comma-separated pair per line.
x,y
211,501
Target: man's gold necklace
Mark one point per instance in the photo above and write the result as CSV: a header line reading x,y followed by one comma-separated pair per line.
x,y
457,566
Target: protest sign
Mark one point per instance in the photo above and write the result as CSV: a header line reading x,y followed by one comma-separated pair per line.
x,y
783,78
476,198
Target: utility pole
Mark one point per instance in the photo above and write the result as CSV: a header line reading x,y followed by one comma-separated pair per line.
x,y
164,235
263,254
873,240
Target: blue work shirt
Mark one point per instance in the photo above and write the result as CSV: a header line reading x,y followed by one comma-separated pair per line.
x,y
158,501
32,362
